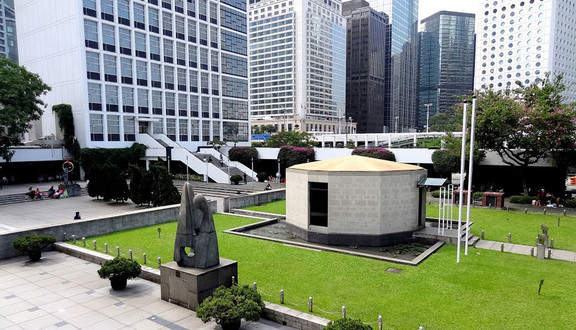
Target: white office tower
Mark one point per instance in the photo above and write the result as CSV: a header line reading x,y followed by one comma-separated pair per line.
x,y
298,64
170,67
521,40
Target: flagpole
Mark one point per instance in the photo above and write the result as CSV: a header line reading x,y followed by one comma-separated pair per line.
x,y
470,162
461,195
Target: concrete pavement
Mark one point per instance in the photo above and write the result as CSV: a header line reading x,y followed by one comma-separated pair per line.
x,y
525,250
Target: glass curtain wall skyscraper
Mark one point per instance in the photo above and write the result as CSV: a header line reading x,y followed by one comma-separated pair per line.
x,y
522,40
8,39
367,64
446,62
297,64
400,114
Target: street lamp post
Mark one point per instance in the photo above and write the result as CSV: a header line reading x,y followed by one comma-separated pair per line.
x,y
396,120
206,176
427,105
252,161
346,130
278,175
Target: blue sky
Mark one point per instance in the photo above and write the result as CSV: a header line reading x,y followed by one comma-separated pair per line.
x,y
429,7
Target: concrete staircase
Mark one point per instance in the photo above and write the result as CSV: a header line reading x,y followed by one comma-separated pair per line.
x,y
23,198
450,236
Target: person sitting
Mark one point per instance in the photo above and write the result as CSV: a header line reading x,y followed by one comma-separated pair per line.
x,y
30,193
77,216
38,194
51,192
268,187
58,193
64,194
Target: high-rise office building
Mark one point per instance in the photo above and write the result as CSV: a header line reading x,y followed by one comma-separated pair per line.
x,y
367,62
522,40
8,39
297,64
446,62
171,67
400,114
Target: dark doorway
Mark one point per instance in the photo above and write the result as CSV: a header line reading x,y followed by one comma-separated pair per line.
x,y
318,192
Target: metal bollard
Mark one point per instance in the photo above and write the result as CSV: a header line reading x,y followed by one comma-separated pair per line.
x,y
74,238
544,211
94,242
482,236
159,262
106,247
536,240
233,281
564,215
525,211
343,312
310,304
552,243
532,251
558,221
84,241
502,247
549,253
117,251
144,257
509,237
379,322
282,296
254,286
130,252
66,236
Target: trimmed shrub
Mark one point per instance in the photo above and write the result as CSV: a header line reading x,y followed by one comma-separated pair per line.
x,y
436,193
477,196
290,156
378,153
235,179
522,199
227,306
347,324
243,155
262,176
570,203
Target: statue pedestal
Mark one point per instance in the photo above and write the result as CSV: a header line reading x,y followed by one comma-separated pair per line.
x,y
541,251
188,287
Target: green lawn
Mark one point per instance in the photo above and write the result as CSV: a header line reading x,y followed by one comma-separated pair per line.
x,y
488,289
278,207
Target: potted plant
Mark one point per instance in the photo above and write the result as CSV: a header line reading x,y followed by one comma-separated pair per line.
x,y
33,245
236,179
119,270
228,306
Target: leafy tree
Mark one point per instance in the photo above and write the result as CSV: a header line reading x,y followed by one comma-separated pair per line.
x,y
163,190
66,123
447,121
20,103
243,155
291,138
378,153
447,160
122,157
523,125
97,181
290,156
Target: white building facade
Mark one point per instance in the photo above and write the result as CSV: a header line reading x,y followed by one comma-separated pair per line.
x,y
172,67
298,64
522,40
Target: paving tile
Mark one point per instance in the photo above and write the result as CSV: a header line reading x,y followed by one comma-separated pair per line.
x,y
33,293
87,319
191,322
5,323
15,308
72,291
101,302
26,315
176,314
106,324
157,307
44,300
71,312
14,282
23,288
147,325
40,322
114,310
58,305
132,317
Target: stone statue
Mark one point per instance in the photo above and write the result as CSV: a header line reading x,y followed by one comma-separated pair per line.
x,y
195,231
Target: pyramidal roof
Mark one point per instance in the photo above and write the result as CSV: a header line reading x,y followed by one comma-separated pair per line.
x,y
355,164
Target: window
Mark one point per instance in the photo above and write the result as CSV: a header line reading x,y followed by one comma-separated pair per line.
x,y
170,104
168,51
156,75
167,24
108,38
205,130
179,6
180,28
111,98
213,37
180,53
234,109
141,73
155,48
213,13
143,101
204,58
91,34
192,56
167,4
193,105
203,34
139,19
124,12
181,76
194,81
195,130
157,102
216,108
182,105
107,10
215,84
318,195
153,20
171,129
233,42
96,127
233,19
129,128
191,30
128,99
216,130
183,129
202,8
214,60
93,65
204,88
234,65
168,77
113,125
205,107
89,7
126,70
125,38
140,44
94,97
110,72
191,8
158,127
